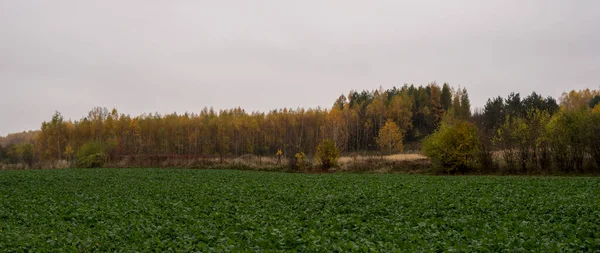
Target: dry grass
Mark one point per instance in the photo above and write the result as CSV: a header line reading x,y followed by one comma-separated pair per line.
x,y
398,163
406,157
406,162
396,157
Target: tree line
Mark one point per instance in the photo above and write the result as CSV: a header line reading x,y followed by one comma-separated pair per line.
x,y
514,135
353,123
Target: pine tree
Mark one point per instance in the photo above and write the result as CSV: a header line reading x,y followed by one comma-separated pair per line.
x,y
446,97
465,104
456,103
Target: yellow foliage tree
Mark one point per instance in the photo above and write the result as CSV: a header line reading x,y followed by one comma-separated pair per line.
x,y
279,154
328,154
453,147
400,109
390,137
69,152
577,99
338,128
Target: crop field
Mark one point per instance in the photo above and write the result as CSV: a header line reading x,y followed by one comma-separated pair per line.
x,y
125,210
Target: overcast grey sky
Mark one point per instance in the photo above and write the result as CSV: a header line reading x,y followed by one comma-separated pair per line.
x,y
176,55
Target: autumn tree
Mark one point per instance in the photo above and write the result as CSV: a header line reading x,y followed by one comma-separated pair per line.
x,y
435,106
524,142
53,137
593,138
578,99
376,110
134,136
27,153
568,134
340,103
353,124
223,140
390,138
456,107
400,110
69,152
327,153
453,147
19,138
338,128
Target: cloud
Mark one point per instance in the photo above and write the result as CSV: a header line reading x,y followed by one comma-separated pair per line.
x,y
165,56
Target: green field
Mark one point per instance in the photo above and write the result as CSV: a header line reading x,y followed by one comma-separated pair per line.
x,y
199,210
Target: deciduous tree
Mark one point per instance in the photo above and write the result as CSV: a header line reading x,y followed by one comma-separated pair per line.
x,y
390,138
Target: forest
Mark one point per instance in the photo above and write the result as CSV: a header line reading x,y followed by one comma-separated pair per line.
x,y
512,135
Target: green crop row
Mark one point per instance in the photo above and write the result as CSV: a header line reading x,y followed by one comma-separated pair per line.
x,y
125,210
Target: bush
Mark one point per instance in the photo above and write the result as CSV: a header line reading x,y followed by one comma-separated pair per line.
x,y
91,155
453,147
27,154
92,161
301,161
90,148
328,154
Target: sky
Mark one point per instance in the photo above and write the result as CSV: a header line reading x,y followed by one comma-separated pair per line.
x,y
145,56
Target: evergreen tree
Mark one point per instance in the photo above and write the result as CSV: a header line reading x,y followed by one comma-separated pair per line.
x,y
456,103
514,106
465,104
446,97
493,114
595,101
340,103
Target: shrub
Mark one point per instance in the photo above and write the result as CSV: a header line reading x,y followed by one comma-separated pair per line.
x,y
27,154
453,147
92,161
301,161
91,155
90,148
328,154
